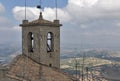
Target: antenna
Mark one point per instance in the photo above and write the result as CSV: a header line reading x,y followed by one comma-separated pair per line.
x,y
76,67
83,67
56,12
40,17
25,9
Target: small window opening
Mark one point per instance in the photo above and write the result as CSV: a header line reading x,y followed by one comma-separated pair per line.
x,y
30,42
49,42
32,39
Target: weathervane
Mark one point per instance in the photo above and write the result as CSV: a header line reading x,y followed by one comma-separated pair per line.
x,y
39,7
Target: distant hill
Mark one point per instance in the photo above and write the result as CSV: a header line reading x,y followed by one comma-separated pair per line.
x,y
98,61
100,69
98,53
9,51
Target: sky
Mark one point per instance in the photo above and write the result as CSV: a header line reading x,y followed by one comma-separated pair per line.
x,y
89,23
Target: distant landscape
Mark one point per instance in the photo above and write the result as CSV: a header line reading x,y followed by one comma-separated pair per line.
x,y
98,64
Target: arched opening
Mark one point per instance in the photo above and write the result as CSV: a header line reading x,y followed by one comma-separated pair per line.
x,y
50,42
30,42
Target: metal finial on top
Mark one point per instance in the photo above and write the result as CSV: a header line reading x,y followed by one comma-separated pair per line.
x,y
40,17
39,7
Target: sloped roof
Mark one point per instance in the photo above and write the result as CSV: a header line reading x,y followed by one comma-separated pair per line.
x,y
40,22
26,69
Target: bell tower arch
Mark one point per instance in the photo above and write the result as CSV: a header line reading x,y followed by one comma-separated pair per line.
x,y
41,41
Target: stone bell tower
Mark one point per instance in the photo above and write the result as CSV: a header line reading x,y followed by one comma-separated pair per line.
x,y
41,41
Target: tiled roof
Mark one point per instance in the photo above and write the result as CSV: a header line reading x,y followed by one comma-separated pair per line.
x,y
24,68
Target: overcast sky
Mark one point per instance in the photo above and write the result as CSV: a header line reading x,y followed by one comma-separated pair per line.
x,y
86,22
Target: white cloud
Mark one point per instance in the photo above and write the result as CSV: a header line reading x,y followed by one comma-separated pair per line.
x,y
82,3
2,8
84,10
10,28
3,20
109,4
83,26
33,13
19,13
75,11
83,20
5,23
17,28
117,24
50,14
